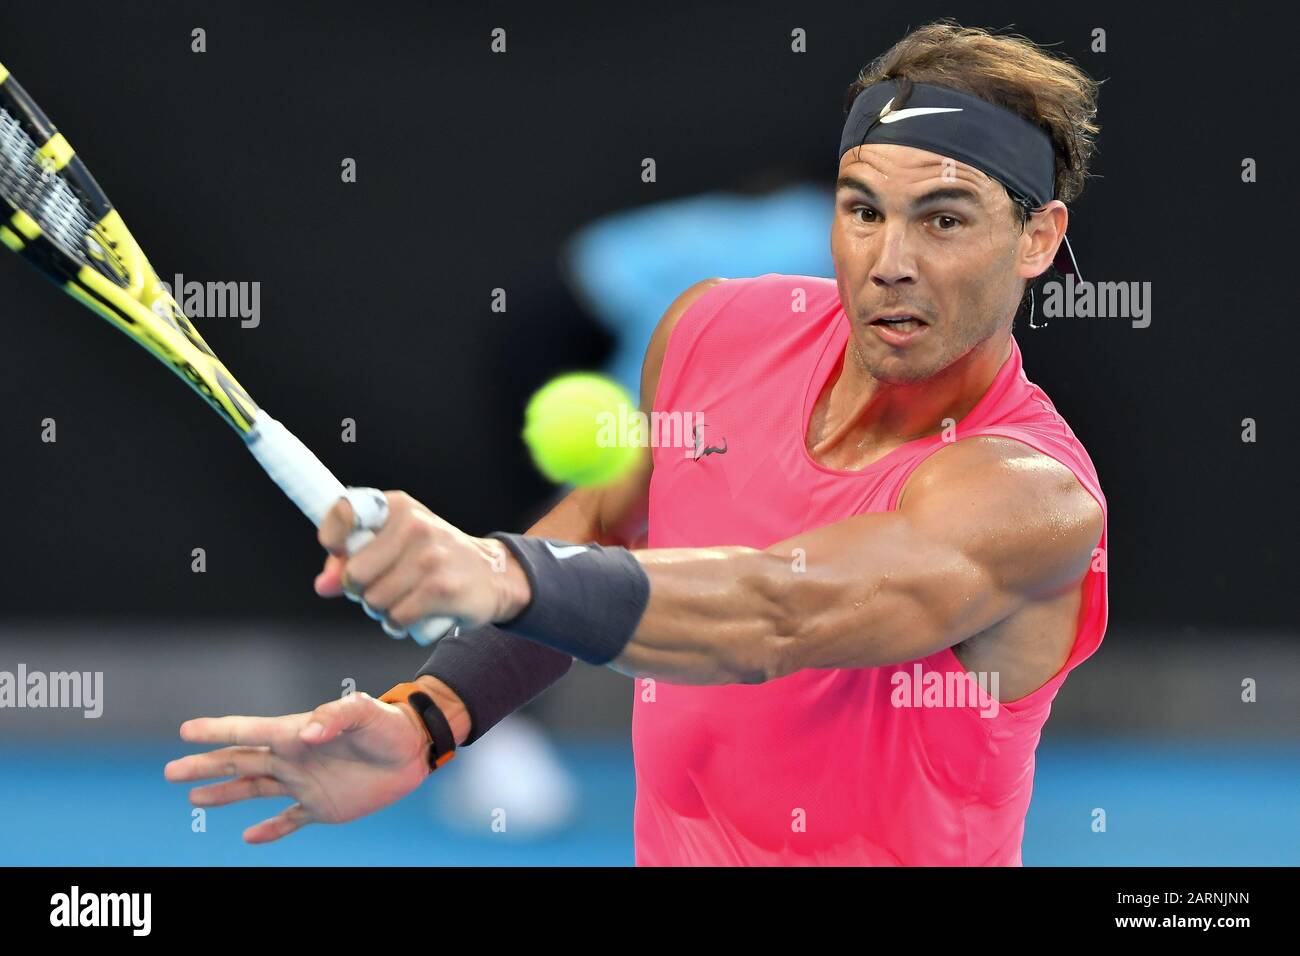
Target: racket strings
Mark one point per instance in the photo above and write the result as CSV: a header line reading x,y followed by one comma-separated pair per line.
x,y
28,184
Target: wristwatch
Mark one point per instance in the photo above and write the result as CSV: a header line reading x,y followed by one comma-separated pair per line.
x,y
442,743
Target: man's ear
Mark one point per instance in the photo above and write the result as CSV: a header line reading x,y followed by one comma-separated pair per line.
x,y
1044,233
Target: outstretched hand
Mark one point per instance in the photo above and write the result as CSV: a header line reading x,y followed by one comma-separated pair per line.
x,y
345,759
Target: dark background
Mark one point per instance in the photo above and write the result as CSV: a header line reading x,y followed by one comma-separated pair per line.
x,y
473,169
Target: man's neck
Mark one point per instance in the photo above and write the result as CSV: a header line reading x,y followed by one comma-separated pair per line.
x,y
862,419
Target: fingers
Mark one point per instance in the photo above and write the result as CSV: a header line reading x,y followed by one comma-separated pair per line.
x,y
373,560
329,583
400,570
398,581
334,530
379,556
281,825
327,721
231,791
340,519
411,557
432,594
240,731
227,762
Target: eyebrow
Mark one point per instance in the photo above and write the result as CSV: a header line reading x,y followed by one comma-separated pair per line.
x,y
942,194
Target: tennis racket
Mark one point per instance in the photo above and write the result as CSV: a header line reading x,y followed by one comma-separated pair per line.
x,y
63,224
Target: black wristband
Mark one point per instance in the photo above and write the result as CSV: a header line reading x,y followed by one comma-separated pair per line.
x,y
442,743
587,599
493,673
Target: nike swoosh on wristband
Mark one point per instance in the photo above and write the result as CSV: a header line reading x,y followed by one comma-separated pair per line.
x,y
566,552
890,115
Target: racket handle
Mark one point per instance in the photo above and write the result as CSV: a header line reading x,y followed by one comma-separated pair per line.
x,y
314,489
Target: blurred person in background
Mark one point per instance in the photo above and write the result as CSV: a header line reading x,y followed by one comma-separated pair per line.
x,y
627,266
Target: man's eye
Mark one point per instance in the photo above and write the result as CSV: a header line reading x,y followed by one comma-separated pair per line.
x,y
953,222
867,210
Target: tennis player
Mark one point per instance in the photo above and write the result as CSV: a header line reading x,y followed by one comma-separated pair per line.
x,y
850,599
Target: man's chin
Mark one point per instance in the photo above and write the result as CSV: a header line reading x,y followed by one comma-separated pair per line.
x,y
899,369
904,377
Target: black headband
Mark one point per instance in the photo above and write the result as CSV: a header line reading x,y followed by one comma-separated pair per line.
x,y
996,141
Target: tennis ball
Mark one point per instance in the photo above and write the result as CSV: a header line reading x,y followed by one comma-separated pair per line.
x,y
575,426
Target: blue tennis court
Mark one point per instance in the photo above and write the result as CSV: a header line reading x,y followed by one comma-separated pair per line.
x,y
1165,803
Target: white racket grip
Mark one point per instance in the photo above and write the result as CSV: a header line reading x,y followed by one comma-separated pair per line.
x,y
314,489
292,466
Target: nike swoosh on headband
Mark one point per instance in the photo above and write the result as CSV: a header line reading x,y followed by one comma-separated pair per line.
x,y
566,552
997,141
890,115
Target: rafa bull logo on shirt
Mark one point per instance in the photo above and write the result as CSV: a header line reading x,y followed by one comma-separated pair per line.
x,y
700,450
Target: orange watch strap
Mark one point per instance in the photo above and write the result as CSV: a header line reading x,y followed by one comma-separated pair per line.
x,y
398,693
401,694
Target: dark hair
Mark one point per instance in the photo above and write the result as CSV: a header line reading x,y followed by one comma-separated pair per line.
x,y
1010,71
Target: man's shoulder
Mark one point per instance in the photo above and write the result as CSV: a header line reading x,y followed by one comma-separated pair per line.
x,y
994,474
1018,509
769,286
755,303
991,459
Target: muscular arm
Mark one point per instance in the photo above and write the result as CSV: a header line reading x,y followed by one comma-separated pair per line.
x,y
615,514
985,527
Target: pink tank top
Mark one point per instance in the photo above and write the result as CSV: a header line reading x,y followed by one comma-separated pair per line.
x,y
819,767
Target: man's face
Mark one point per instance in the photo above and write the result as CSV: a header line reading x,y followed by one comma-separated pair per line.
x,y
915,234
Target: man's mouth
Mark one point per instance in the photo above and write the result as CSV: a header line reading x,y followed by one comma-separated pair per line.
x,y
899,323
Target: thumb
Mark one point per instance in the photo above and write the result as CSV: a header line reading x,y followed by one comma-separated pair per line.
x,y
329,583
333,531
330,720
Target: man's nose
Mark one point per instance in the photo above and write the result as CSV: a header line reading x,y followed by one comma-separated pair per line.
x,y
895,264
